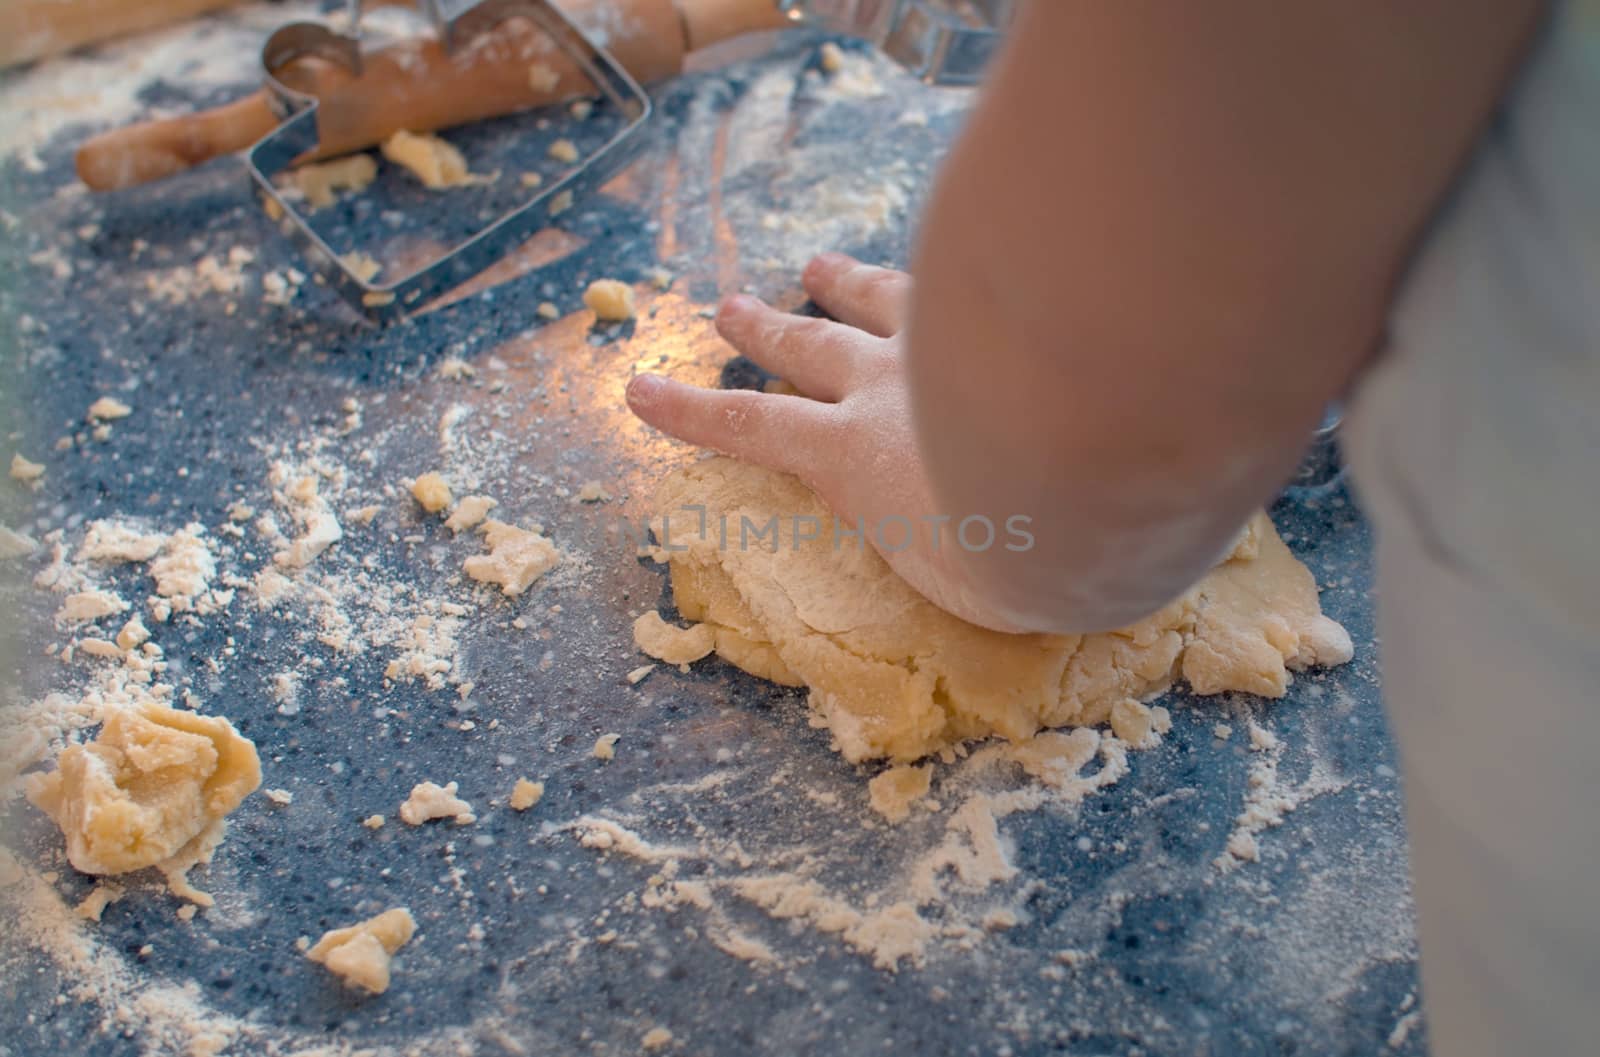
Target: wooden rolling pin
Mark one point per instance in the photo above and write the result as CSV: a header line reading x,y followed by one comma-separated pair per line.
x,y
37,29
417,85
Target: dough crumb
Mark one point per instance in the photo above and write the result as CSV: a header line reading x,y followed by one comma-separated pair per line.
x,y
656,1039
187,912
638,675
90,605
152,789
429,801
319,181
830,57
133,634
581,109
431,492
454,369
1222,731
542,79
373,822
108,408
516,559
360,264
660,278
560,203
593,492
531,180
665,642
605,746
610,299
893,792
94,904
362,515
547,310
280,797
1139,724
14,544
430,159
563,151
24,470
525,794
469,513
361,954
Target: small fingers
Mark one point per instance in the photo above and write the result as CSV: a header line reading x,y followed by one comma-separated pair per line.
x,y
781,432
817,356
877,300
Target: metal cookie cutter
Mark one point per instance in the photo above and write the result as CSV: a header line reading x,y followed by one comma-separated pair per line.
x,y
457,23
944,42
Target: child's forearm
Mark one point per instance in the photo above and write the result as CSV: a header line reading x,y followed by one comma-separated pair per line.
x,y
1166,239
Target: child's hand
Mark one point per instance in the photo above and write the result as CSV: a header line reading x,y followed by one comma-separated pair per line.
x,y
849,434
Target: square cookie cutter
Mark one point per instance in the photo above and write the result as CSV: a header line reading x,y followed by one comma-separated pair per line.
x,y
457,23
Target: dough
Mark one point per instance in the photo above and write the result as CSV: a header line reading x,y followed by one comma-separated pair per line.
x,y
517,557
563,151
605,746
24,470
429,801
892,676
90,605
525,794
432,492
610,299
430,159
656,638
361,953
319,181
107,408
151,790
893,792
469,513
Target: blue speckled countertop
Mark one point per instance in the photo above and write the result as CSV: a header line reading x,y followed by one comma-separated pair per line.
x,y
1124,937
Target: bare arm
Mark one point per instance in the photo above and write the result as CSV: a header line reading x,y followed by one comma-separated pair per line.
x,y
1166,240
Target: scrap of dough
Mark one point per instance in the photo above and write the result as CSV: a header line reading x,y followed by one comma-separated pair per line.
x,y
655,1039
431,491
361,954
115,541
592,492
14,544
151,790
893,792
133,634
830,57
1138,724
430,159
469,513
107,408
429,801
562,150
90,605
609,299
525,794
674,645
24,470
605,746
542,79
893,676
319,181
517,557
361,264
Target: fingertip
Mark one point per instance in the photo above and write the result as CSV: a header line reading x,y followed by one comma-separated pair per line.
x,y
823,267
644,390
